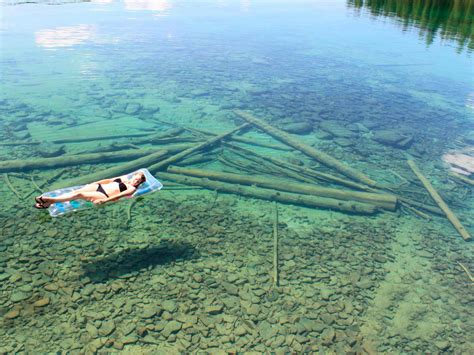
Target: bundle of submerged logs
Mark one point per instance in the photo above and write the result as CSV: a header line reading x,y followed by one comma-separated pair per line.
x,y
173,158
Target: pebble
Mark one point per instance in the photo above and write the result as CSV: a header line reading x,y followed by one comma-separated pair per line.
x,y
172,327
12,314
107,328
214,309
328,336
169,305
326,294
240,331
42,302
19,296
149,311
442,345
51,287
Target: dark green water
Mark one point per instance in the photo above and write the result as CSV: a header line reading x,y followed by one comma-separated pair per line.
x,y
371,83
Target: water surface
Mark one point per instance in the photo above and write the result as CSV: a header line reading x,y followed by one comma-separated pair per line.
x,y
371,83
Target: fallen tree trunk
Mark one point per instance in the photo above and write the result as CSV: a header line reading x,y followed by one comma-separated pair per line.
x,y
147,137
306,149
155,167
385,201
439,201
19,143
272,195
114,171
77,159
99,138
423,206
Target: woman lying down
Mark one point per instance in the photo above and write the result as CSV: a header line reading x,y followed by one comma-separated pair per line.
x,y
98,192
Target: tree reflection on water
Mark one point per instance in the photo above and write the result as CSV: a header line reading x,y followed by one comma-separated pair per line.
x,y
449,19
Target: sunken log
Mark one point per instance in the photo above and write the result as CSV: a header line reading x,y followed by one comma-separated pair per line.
x,y
272,195
19,143
177,157
146,137
77,159
114,171
385,201
294,142
439,201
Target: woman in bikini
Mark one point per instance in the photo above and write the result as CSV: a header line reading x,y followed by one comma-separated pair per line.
x,y
98,192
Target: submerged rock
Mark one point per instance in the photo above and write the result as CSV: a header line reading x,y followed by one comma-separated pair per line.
x,y
19,296
107,328
171,327
12,314
336,129
393,138
50,150
298,127
133,108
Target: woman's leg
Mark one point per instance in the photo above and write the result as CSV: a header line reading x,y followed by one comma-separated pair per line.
x,y
74,195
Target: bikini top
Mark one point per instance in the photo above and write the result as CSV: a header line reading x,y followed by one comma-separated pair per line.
x,y
122,186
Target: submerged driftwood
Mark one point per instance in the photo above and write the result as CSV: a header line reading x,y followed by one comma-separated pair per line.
x,y
177,157
322,157
147,137
276,271
19,143
304,170
272,195
439,201
77,159
385,201
98,138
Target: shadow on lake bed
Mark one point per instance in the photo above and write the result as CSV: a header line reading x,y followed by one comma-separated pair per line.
x,y
129,262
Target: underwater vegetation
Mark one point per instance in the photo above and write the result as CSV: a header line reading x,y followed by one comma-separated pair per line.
x,y
449,19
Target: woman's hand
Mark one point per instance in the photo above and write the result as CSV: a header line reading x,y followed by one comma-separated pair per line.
x,y
100,201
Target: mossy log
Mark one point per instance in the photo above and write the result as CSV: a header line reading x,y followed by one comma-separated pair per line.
x,y
118,170
19,143
146,137
385,201
77,159
272,195
177,157
294,142
276,271
439,201
98,138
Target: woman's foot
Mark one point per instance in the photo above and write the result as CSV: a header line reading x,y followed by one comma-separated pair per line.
x,y
41,202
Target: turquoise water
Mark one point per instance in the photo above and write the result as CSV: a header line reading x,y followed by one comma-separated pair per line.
x,y
191,267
